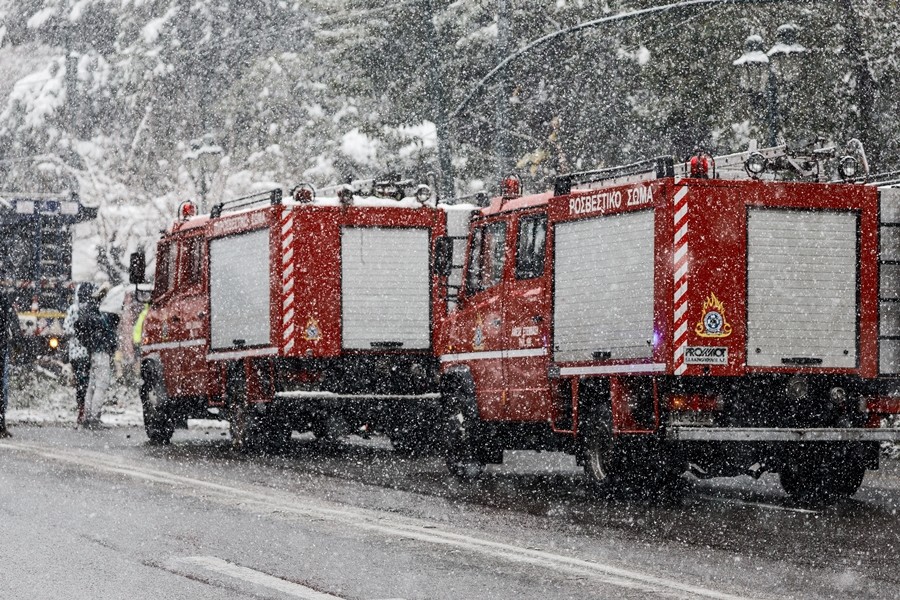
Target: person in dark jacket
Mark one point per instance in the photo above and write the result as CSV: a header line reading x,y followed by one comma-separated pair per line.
x,y
97,331
79,357
9,323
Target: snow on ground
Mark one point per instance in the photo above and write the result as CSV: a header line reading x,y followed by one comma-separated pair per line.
x,y
43,396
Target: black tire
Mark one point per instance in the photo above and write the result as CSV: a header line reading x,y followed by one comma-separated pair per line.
x,y
462,433
850,483
821,475
598,447
245,424
158,420
278,432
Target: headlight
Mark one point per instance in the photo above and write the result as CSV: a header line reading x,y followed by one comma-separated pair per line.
x,y
848,167
53,343
755,164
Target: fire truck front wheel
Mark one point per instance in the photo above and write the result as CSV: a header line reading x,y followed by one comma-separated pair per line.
x,y
462,431
158,422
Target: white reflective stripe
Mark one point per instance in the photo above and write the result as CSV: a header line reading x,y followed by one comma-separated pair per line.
x,y
217,565
680,311
613,369
681,213
494,354
171,345
241,353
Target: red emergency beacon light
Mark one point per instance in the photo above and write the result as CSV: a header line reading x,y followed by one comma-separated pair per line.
x,y
186,210
702,166
511,188
303,193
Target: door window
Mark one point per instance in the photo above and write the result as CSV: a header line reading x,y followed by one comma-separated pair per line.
x,y
193,269
165,269
530,246
486,257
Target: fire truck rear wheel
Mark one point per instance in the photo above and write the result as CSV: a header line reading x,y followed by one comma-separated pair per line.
x,y
247,430
817,477
158,422
597,447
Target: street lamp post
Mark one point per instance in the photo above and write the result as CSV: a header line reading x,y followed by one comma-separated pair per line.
x,y
763,73
204,153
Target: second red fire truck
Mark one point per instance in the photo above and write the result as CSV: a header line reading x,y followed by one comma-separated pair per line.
x,y
300,313
729,316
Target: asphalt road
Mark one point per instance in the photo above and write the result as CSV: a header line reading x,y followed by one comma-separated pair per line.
x,y
105,515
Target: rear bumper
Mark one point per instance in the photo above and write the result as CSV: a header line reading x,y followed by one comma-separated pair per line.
x,y
772,434
301,396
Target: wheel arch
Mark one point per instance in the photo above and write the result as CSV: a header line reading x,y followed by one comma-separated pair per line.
x,y
594,396
458,389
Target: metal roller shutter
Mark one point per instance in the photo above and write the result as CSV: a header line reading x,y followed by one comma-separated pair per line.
x,y
801,288
385,285
603,298
239,290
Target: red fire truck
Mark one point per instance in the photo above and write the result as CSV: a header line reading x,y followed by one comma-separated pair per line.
x,y
735,315
301,313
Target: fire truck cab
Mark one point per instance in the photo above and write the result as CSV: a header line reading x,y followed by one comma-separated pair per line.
x,y
661,317
300,313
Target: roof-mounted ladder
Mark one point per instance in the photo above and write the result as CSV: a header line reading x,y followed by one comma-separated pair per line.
x,y
271,197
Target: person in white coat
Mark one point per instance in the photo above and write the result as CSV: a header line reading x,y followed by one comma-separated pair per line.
x,y
79,357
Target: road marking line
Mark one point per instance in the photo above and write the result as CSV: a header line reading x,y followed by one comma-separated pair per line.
x,y
249,575
757,504
378,521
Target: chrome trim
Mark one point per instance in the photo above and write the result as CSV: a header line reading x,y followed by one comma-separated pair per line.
x,y
780,434
322,395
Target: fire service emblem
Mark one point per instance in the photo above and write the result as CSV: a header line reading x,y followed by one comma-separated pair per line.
x,y
312,332
478,338
713,324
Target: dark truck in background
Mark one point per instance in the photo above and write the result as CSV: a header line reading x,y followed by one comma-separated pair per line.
x,y
36,265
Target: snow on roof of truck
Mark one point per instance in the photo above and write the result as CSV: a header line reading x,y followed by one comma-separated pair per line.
x,y
358,202
499,204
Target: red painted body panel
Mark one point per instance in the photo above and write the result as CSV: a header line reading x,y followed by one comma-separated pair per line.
x,y
700,250
305,280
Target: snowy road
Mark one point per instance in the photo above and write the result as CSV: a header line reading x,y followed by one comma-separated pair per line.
x,y
106,516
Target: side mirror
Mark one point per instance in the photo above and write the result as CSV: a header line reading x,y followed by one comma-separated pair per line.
x,y
137,266
443,256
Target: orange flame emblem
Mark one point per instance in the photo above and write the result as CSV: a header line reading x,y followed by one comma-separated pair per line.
x,y
713,323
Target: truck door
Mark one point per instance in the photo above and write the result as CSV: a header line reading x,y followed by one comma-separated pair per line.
x,y
187,312
526,308
479,335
